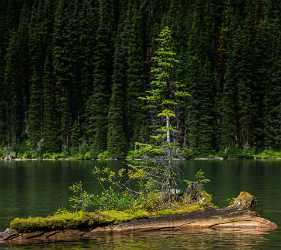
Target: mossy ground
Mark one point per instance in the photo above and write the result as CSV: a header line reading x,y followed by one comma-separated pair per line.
x,y
86,220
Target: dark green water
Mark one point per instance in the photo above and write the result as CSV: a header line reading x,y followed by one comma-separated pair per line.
x,y
40,188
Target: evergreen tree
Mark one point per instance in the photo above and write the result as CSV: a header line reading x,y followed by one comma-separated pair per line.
x,y
71,69
272,100
165,91
34,122
97,108
9,90
163,96
116,137
62,72
200,78
51,129
3,46
136,117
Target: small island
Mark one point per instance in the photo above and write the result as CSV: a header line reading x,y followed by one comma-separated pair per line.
x,y
88,225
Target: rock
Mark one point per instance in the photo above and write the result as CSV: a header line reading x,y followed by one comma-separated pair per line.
x,y
244,200
8,158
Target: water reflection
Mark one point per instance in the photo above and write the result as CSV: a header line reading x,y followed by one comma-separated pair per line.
x,y
40,188
199,240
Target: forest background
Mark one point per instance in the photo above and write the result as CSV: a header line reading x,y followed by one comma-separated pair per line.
x,y
72,74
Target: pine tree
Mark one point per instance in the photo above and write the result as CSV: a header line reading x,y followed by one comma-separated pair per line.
x,y
200,79
136,118
3,46
34,122
97,108
165,91
230,116
51,129
23,71
62,71
272,100
163,96
9,91
116,137
88,16
99,64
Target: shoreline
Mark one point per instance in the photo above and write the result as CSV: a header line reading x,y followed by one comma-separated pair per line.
x,y
194,159
183,154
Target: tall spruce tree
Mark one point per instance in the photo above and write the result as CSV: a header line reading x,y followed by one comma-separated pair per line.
x,y
136,118
3,47
201,82
62,71
34,122
97,108
116,137
51,128
272,100
9,90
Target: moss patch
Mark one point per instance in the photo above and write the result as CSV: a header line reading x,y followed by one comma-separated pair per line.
x,y
86,220
180,210
78,220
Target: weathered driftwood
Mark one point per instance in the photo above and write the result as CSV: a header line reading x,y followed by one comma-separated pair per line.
x,y
229,218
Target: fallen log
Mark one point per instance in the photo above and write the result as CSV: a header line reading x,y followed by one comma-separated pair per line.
x,y
234,217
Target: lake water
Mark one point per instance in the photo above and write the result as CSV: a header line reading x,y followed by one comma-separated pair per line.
x,y
39,188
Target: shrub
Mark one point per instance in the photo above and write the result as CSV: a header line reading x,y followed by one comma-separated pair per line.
x,y
269,154
79,199
104,156
110,199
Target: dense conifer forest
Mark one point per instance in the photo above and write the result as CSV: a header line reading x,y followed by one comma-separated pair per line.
x,y
72,73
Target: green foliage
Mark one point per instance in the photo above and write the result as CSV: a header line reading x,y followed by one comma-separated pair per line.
x,y
228,153
103,156
79,198
195,193
155,172
236,153
110,199
55,156
74,72
145,150
34,113
97,106
136,116
200,179
188,153
117,136
269,154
